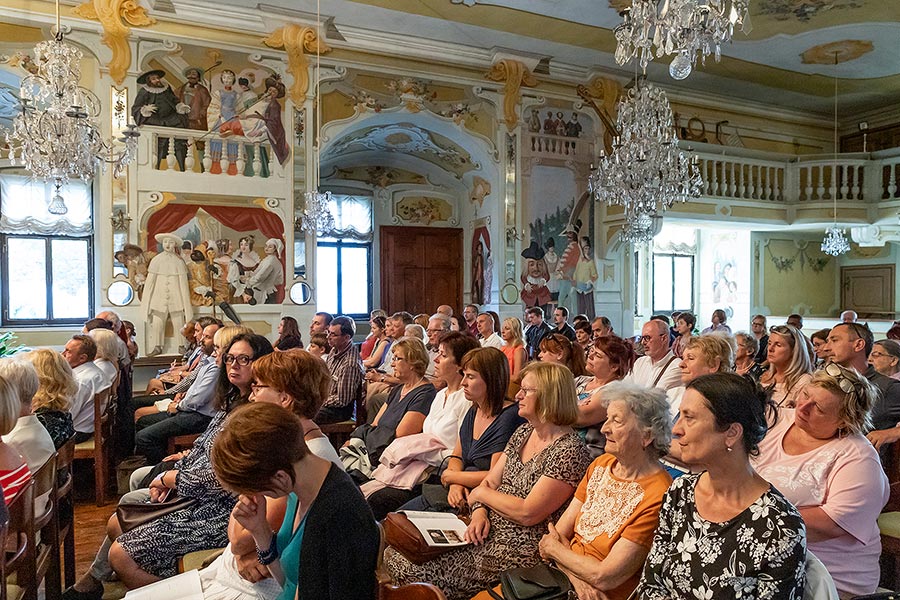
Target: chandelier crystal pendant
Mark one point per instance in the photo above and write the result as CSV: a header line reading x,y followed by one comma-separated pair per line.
x,y
646,173
686,28
56,136
835,242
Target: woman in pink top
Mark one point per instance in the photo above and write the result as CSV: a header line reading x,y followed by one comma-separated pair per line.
x,y
818,457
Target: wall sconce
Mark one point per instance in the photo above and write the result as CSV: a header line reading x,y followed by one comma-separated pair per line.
x,y
120,220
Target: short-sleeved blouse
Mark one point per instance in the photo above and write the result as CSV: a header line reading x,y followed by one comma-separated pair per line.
x,y
759,554
845,479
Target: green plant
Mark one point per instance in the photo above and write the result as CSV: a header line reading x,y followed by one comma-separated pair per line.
x,y
7,347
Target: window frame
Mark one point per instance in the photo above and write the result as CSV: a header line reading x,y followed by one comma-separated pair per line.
x,y
7,321
671,256
339,244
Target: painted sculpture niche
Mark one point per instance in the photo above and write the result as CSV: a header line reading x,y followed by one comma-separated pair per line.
x,y
166,293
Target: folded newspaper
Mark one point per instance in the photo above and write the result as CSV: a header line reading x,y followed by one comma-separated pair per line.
x,y
438,529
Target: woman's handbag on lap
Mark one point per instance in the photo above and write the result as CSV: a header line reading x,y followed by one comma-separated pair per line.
x,y
538,582
135,514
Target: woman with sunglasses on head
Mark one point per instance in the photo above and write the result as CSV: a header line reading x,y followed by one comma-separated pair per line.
x,y
558,349
817,455
788,367
150,551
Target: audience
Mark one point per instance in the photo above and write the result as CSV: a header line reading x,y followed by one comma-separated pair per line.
x,y
536,331
787,369
885,357
527,488
726,526
487,333
80,352
684,326
601,326
795,320
328,539
318,346
659,367
106,358
56,390
438,325
346,370
320,323
558,349
817,455
470,314
288,334
704,355
14,472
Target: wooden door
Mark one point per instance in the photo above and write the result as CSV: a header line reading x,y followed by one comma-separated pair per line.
x,y
868,290
421,268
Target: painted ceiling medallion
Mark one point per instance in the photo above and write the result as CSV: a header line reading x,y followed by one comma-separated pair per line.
x,y
804,10
844,50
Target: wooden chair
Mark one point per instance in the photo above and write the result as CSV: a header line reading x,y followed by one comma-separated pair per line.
x,y
20,561
182,442
97,448
410,591
339,433
65,510
47,555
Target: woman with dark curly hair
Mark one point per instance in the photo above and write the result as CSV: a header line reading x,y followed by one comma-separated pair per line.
x,y
288,334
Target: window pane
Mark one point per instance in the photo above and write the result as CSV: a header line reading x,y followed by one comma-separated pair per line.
x,y
662,283
24,203
326,279
71,299
27,278
355,280
684,276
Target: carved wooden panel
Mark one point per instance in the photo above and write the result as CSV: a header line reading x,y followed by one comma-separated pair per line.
x,y
868,290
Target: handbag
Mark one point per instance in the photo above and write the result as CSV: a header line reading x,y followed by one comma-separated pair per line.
x,y
405,538
538,582
135,514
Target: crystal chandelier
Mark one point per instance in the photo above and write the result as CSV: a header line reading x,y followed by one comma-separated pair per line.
x,y
835,242
55,135
683,27
646,173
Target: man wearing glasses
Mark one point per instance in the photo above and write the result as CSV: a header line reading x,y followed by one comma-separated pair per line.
x,y
659,367
347,373
438,325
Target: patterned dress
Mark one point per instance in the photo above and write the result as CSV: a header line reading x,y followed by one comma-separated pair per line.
x,y
461,573
759,554
157,545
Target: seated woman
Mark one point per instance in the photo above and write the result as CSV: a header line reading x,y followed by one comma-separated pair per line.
x,y
404,411
375,346
328,539
818,455
602,539
787,367
55,391
14,473
703,355
745,357
137,555
485,430
724,533
821,352
558,349
440,430
299,382
610,358
514,348
107,359
885,357
684,326
288,334
527,488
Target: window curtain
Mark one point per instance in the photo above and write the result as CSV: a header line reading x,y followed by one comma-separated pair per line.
x,y
352,218
23,207
173,216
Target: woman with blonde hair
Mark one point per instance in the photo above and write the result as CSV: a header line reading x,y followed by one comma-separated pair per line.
x,y
788,366
14,472
557,348
703,355
56,389
526,489
107,359
514,348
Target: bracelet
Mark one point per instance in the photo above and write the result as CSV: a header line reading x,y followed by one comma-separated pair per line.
x,y
267,557
475,506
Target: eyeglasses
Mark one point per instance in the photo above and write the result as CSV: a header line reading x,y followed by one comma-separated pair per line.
x,y
255,387
525,390
647,338
847,384
431,331
241,359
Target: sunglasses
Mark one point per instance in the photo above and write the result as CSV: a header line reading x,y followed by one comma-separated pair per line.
x,y
847,384
780,329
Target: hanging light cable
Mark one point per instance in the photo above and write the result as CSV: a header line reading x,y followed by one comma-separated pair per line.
x,y
835,242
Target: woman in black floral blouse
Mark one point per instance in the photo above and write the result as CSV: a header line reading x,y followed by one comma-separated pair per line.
x,y
57,388
725,533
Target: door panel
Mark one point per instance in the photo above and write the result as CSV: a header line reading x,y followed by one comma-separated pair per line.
x,y
421,268
868,290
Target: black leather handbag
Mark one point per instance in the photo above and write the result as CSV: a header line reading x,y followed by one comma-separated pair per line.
x,y
538,582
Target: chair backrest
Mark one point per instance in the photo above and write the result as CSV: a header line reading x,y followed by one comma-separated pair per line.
x,y
45,483
819,584
20,535
65,456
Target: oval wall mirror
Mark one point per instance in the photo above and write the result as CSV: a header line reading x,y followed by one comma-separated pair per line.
x,y
120,293
301,293
509,293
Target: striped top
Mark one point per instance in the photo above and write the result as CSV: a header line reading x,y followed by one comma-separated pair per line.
x,y
13,481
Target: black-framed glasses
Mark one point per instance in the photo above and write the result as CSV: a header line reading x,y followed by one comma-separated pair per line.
x,y
255,387
647,338
847,384
241,359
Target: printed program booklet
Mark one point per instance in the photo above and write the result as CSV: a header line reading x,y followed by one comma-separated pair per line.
x,y
180,587
438,529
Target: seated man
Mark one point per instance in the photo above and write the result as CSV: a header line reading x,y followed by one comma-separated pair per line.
x,y
80,353
178,373
659,367
186,414
346,370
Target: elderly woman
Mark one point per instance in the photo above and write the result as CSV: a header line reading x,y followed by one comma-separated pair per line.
x,y
558,349
328,539
818,455
718,323
288,334
684,326
440,430
14,472
262,285
610,358
107,359
486,426
726,532
57,386
528,487
787,368
820,347
137,556
745,357
703,355
885,357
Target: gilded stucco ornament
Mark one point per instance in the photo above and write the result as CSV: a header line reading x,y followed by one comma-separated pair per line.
x,y
514,74
117,18
297,41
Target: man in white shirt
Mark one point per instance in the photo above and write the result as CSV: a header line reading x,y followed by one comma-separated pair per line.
x,y
80,353
438,325
489,337
658,367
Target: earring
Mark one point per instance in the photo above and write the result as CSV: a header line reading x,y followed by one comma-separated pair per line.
x,y
729,448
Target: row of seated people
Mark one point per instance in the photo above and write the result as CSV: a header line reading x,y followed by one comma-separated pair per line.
x,y
523,476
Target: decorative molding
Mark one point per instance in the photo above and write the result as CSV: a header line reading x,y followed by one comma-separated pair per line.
x,y
875,235
514,74
297,41
117,18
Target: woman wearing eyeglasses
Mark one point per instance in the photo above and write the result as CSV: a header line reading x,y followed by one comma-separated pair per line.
x,y
817,455
150,552
788,366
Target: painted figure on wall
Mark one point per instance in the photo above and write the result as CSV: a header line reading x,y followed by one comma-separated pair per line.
x,y
261,285
136,261
157,104
243,262
268,110
585,276
551,258
482,265
535,278
166,293
196,96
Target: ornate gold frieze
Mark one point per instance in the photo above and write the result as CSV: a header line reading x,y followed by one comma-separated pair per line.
x,y
297,41
117,18
514,74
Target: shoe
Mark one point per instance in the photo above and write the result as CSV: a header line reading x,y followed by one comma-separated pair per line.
x,y
73,594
